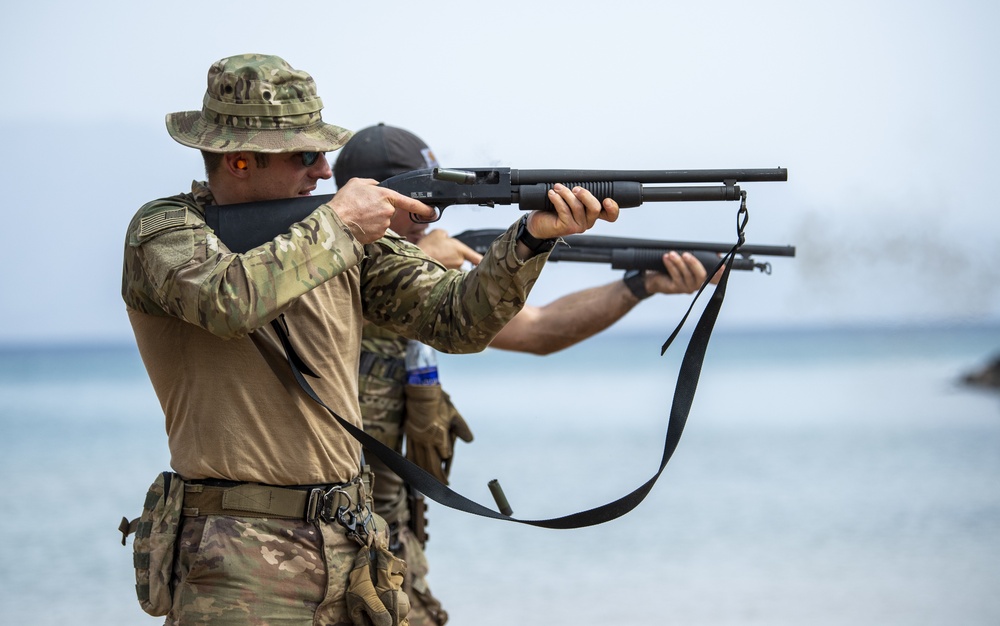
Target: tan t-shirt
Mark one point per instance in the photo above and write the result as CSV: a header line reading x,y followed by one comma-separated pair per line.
x,y
200,315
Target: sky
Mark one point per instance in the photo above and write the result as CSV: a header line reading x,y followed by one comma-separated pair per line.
x,y
883,112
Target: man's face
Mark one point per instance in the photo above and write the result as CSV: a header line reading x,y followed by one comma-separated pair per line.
x,y
286,176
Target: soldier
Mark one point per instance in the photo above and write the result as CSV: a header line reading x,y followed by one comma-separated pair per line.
x,y
269,493
423,415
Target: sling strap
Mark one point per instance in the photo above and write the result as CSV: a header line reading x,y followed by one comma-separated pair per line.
x,y
684,391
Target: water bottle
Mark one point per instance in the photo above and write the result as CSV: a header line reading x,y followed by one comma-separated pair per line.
x,y
421,364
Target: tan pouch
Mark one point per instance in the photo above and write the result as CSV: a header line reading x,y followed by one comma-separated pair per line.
x,y
153,547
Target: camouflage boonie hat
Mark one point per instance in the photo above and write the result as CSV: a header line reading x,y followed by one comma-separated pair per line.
x,y
257,103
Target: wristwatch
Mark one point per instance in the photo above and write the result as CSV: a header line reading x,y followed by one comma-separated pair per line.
x,y
534,244
635,280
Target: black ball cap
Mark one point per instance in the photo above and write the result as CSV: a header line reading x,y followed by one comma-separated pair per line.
x,y
381,152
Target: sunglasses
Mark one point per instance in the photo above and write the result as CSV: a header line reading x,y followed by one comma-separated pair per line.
x,y
309,158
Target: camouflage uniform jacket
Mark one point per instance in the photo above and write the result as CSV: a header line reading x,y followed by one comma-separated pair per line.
x,y
200,315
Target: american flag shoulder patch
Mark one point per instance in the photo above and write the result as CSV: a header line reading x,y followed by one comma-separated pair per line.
x,y
156,222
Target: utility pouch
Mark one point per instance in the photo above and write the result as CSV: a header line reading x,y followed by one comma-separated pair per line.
x,y
375,595
153,547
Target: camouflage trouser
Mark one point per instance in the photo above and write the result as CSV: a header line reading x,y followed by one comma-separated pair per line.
x,y
243,571
425,609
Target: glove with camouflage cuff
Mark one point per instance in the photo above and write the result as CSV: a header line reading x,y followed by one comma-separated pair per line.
x,y
431,426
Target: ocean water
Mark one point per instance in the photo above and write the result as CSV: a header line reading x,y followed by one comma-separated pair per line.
x,y
824,477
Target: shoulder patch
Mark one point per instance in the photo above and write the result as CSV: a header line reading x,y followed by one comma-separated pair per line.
x,y
161,220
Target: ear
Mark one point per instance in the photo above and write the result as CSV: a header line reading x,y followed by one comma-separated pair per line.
x,y
237,164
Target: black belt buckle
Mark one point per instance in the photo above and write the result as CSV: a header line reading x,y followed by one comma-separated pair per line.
x,y
351,515
321,506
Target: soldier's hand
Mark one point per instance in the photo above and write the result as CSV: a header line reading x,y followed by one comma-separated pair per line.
x,y
448,251
367,208
577,210
684,274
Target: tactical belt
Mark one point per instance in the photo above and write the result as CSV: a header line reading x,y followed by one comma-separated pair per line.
x,y
325,502
382,366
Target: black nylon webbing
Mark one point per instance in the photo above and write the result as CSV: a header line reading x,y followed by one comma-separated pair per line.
x,y
684,391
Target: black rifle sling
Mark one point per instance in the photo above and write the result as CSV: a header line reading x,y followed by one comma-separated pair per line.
x,y
425,483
